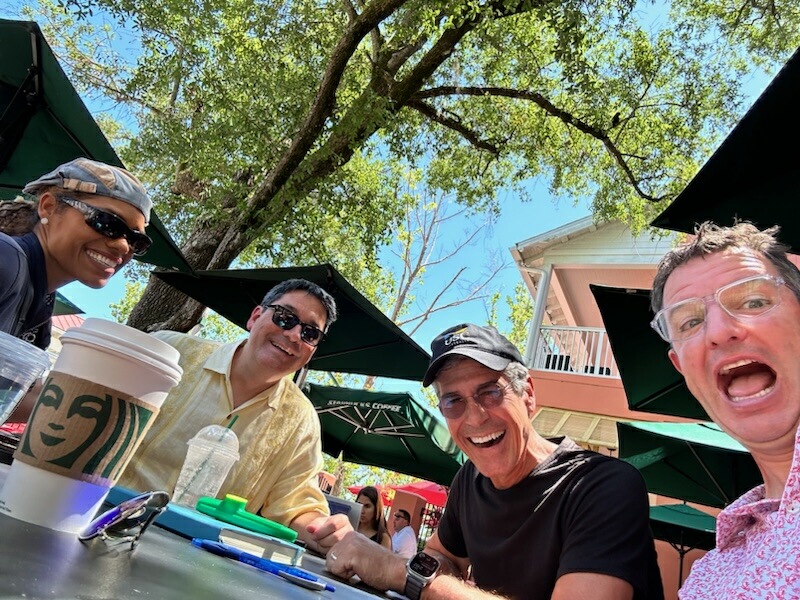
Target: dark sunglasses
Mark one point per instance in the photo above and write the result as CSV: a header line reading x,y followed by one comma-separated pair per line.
x,y
110,225
399,516
127,521
491,396
286,320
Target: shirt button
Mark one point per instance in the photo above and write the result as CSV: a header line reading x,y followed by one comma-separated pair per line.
x,y
793,507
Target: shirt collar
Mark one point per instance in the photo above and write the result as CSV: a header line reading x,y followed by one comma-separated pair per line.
x,y
752,507
220,361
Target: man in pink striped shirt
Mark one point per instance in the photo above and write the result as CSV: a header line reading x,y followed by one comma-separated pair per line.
x,y
729,304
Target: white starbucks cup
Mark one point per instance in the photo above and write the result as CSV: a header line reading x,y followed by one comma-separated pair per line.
x,y
98,401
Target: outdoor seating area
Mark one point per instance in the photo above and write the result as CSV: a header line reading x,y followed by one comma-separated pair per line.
x,y
272,404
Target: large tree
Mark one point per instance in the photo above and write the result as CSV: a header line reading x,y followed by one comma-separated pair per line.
x,y
272,130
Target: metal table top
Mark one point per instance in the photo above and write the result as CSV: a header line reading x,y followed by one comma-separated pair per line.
x,y
36,562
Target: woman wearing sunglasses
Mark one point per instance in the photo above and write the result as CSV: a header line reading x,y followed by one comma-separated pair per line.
x,y
89,222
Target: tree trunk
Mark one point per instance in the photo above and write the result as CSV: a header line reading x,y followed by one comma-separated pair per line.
x,y
209,246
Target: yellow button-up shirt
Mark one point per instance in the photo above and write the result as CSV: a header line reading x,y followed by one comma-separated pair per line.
x,y
279,435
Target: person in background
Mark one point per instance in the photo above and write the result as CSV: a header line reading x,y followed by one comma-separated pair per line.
x,y
372,523
526,517
87,223
404,538
728,302
277,427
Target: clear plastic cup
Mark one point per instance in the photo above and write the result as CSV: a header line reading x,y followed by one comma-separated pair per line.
x,y
21,364
212,453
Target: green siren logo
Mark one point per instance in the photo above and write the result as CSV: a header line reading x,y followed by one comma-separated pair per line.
x,y
83,430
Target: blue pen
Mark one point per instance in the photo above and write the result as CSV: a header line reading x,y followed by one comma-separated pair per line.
x,y
294,574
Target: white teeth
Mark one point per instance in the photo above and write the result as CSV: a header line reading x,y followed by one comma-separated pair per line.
x,y
282,349
728,368
763,392
97,257
486,438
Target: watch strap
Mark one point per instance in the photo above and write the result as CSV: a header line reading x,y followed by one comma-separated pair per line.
x,y
414,587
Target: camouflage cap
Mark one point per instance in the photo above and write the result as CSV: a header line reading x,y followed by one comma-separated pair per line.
x,y
93,177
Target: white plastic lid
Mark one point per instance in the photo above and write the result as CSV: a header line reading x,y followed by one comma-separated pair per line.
x,y
127,341
218,438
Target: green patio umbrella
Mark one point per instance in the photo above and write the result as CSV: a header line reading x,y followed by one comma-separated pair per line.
x,y
695,462
753,175
392,431
363,340
684,528
650,381
44,123
65,306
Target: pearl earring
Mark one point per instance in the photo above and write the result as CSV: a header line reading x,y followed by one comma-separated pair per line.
x,y
44,220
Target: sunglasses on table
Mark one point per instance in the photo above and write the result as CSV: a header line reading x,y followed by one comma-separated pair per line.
x,y
453,406
743,299
110,225
127,521
286,320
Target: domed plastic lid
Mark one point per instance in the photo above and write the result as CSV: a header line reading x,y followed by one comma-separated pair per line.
x,y
21,361
218,437
128,342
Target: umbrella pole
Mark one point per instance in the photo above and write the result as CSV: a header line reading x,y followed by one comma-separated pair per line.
x,y
682,551
300,376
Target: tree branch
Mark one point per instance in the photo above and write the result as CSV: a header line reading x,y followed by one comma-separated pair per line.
x,y
566,117
438,117
322,106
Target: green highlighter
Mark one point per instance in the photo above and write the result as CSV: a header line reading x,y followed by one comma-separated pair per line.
x,y
231,510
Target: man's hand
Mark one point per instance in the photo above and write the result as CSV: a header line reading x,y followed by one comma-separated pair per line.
x,y
321,532
375,565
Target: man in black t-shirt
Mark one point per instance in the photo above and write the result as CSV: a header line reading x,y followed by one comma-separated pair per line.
x,y
526,517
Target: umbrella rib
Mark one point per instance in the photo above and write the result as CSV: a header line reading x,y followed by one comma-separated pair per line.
x,y
341,414
408,448
378,413
395,433
710,475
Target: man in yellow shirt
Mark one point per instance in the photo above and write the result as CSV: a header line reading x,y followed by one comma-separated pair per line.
x,y
278,429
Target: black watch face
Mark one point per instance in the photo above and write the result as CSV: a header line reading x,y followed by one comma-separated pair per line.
x,y
424,564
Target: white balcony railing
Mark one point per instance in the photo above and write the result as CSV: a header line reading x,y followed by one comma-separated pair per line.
x,y
577,350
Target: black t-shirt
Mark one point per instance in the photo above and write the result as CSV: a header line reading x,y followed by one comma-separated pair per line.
x,y
577,512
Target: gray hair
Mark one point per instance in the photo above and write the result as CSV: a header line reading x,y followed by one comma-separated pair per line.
x,y
303,285
516,373
711,238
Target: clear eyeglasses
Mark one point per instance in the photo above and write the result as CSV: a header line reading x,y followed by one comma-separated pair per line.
x,y
127,521
742,299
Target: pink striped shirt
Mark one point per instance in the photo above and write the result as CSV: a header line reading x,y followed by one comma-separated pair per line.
x,y
758,548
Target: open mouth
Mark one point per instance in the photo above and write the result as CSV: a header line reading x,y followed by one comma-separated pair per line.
x,y
746,379
486,441
103,261
282,349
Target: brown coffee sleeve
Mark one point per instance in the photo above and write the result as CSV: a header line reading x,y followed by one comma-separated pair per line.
x,y
83,430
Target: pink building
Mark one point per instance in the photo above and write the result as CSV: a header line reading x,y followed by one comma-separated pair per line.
x,y
578,389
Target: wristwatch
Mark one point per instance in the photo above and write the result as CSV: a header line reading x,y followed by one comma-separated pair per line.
x,y
421,569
